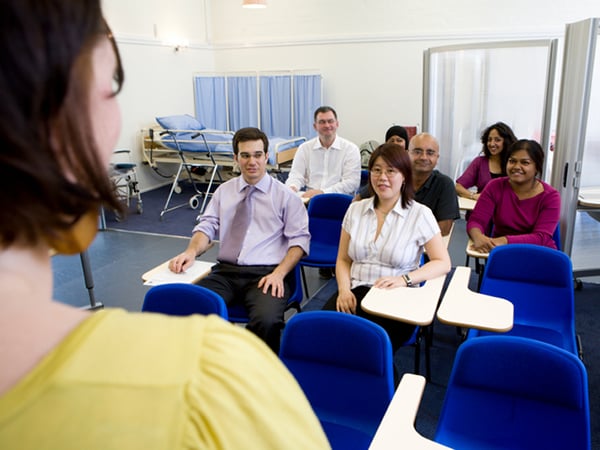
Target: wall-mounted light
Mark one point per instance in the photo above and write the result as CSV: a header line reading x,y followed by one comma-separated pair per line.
x,y
177,43
254,3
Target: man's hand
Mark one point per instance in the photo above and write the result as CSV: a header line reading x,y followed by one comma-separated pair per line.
x,y
273,281
182,261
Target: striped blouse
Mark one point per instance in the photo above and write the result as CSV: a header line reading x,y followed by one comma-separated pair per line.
x,y
398,247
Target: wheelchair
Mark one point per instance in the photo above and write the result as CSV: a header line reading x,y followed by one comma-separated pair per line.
x,y
124,177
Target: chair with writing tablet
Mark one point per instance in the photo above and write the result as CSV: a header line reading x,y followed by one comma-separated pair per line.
x,y
508,392
344,365
538,281
183,299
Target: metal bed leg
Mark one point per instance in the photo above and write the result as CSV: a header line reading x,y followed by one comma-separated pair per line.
x,y
173,186
210,183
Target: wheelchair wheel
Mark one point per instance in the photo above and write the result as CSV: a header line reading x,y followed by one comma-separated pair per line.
x,y
177,189
194,201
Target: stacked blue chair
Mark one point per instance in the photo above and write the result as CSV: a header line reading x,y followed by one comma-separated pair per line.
x,y
325,215
344,365
183,299
238,313
508,392
539,282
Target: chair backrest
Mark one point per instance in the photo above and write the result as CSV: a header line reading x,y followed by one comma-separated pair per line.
x,y
237,312
556,237
344,364
539,282
183,299
517,393
325,215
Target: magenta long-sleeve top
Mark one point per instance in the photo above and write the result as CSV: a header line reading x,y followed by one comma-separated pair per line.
x,y
529,221
476,174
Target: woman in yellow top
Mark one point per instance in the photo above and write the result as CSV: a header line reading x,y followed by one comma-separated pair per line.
x,y
108,380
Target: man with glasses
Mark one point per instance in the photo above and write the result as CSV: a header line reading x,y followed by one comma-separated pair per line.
x,y
263,231
432,188
326,163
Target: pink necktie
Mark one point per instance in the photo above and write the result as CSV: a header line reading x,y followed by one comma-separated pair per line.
x,y
231,244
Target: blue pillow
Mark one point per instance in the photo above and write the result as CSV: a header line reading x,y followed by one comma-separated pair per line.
x,y
180,122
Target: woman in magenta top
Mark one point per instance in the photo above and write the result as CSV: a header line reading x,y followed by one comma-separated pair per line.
x,y
522,208
496,139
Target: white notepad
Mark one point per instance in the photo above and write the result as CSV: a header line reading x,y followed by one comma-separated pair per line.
x,y
162,275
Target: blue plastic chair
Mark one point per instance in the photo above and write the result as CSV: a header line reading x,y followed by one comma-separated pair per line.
x,y
539,282
510,392
238,313
344,365
183,299
480,263
325,215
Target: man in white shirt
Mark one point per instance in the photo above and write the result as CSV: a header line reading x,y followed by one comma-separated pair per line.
x,y
326,163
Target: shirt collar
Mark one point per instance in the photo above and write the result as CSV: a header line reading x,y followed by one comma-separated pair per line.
x,y
263,185
397,209
336,143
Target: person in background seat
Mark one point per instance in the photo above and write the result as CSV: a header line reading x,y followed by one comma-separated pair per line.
x,y
256,256
432,188
326,163
382,240
521,207
496,139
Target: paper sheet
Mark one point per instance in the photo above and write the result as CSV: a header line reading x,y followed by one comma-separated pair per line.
x,y
162,274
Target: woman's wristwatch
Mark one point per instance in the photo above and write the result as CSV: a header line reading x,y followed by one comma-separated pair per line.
x,y
407,280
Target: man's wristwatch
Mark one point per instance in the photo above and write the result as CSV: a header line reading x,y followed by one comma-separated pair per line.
x,y
407,280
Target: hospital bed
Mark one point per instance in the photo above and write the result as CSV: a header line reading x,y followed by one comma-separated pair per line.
x,y
204,151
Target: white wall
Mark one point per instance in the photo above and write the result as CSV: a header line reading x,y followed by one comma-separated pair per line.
x,y
368,51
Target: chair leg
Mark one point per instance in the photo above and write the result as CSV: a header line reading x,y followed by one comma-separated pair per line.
x,y
479,268
428,358
418,353
304,283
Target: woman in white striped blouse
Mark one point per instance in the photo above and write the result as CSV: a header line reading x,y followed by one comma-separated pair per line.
x,y
383,238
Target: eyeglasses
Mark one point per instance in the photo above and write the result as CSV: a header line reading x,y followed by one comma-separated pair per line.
x,y
391,172
419,152
255,155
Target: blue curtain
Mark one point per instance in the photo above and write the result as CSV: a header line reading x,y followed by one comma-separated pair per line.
x,y
243,102
276,105
307,98
210,102
230,103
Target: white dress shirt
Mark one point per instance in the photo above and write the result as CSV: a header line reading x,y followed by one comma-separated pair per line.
x,y
335,169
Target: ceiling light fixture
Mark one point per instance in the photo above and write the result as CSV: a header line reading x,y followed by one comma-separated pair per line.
x,y
254,3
